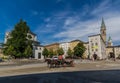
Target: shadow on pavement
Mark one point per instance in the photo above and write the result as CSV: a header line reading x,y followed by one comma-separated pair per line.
x,y
98,76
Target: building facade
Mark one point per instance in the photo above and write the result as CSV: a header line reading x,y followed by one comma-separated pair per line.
x,y
117,51
37,52
65,46
97,46
7,36
31,36
53,46
87,52
73,43
113,51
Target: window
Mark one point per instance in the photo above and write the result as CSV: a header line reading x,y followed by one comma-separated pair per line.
x,y
96,44
40,48
92,44
96,49
92,50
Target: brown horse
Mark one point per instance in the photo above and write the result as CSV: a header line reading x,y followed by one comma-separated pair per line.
x,y
70,63
52,63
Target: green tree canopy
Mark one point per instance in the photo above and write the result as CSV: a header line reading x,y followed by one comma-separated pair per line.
x,y
69,52
51,53
28,51
55,53
60,51
10,50
18,40
79,49
45,53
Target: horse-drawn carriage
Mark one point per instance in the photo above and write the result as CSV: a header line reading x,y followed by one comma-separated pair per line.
x,y
59,63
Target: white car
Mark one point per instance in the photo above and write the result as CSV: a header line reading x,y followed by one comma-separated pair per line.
x,y
55,57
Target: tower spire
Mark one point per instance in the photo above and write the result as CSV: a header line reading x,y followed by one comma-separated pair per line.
x,y
103,24
110,41
103,30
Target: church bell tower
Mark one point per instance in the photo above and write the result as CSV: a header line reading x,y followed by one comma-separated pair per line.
x,y
103,30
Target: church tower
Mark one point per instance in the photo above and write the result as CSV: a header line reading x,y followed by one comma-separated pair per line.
x,y
109,43
103,30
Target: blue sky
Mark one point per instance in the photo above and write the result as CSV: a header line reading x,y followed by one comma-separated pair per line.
x,y
62,20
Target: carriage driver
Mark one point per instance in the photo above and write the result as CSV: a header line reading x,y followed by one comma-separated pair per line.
x,y
60,58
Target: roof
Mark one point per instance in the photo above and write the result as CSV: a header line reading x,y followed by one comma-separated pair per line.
x,y
76,40
86,42
31,33
97,35
36,42
52,44
63,42
113,46
94,35
39,45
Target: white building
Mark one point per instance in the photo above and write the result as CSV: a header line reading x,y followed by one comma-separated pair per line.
x,y
32,35
65,47
7,36
97,46
37,52
37,48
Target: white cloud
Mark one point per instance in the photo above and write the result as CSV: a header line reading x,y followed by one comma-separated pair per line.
x,y
69,21
74,27
102,7
113,27
79,29
47,19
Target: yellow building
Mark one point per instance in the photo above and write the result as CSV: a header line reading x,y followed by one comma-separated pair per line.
x,y
117,51
74,43
86,53
53,46
113,51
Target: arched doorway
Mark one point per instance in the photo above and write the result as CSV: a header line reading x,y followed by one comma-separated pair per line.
x,y
95,56
111,55
39,55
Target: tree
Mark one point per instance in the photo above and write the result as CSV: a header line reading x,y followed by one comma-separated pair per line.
x,y
69,52
79,49
18,40
28,51
51,53
45,53
10,50
55,53
60,51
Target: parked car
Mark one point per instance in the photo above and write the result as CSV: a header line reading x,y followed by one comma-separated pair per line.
x,y
55,57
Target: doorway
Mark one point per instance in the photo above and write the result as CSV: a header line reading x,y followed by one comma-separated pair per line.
x,y
112,55
39,55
